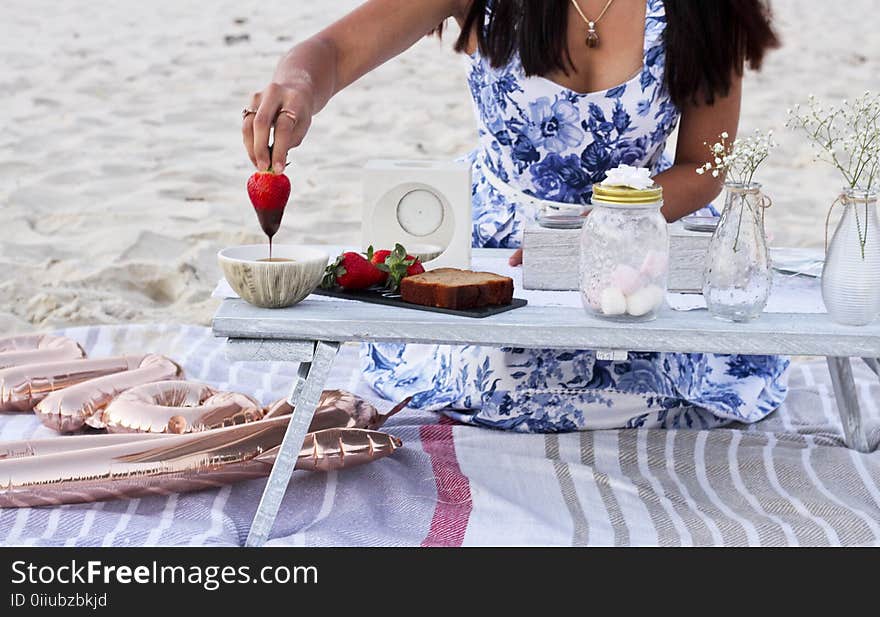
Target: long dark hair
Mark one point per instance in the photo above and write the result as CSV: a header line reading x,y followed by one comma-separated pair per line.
x,y
707,43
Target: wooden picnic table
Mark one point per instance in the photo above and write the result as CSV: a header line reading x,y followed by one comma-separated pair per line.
x,y
312,331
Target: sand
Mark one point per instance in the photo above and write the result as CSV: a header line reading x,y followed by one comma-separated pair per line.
x,y
122,171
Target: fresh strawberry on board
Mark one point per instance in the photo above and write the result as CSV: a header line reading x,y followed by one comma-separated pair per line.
x,y
351,271
396,264
269,193
377,258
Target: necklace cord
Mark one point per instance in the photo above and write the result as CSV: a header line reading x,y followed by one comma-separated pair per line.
x,y
591,22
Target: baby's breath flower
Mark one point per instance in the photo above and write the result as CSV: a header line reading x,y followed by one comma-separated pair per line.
x,y
738,160
847,137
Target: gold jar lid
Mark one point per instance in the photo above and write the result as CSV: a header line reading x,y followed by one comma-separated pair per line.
x,y
627,196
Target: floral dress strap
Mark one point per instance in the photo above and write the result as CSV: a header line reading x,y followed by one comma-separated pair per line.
x,y
655,24
654,50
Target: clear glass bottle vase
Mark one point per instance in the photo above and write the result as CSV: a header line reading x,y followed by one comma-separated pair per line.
x,y
737,278
851,275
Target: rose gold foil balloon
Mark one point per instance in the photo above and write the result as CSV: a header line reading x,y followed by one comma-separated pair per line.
x,y
56,445
340,409
22,387
341,448
178,407
69,409
37,349
38,472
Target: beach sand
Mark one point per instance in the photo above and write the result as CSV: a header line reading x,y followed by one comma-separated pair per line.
x,y
122,171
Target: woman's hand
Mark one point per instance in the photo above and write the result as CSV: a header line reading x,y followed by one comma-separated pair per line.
x,y
516,258
289,112
322,65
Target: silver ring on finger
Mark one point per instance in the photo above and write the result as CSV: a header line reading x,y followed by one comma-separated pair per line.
x,y
247,111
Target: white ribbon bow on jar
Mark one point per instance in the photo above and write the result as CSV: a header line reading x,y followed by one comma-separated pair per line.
x,y
627,175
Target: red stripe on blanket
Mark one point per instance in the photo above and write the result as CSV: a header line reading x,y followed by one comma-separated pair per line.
x,y
454,505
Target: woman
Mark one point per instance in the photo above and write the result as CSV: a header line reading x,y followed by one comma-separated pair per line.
x,y
564,90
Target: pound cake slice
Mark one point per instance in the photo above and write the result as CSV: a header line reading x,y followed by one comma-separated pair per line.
x,y
457,289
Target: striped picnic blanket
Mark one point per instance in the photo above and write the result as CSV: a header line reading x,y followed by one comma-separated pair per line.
x,y
785,481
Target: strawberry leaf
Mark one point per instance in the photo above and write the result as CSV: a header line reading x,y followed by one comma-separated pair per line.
x,y
331,272
396,265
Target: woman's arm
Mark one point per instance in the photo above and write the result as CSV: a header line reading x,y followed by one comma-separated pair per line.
x,y
319,67
684,191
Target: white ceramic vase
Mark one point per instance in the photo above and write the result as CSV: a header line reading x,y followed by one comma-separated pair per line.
x,y
851,276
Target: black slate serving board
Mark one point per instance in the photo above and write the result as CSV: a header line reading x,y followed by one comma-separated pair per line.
x,y
380,296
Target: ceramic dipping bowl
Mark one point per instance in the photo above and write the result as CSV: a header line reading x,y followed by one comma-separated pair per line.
x,y
272,284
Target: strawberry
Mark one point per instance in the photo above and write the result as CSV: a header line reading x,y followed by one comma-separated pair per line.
x,y
351,271
269,193
396,264
377,258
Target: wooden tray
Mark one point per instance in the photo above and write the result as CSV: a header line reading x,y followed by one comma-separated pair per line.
x,y
380,296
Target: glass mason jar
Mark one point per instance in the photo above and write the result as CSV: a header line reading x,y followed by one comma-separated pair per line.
x,y
624,256
851,276
737,278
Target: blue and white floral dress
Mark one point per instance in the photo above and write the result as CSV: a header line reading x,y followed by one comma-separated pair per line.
x,y
545,141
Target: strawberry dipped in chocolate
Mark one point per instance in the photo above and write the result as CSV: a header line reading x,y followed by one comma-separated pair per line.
x,y
269,193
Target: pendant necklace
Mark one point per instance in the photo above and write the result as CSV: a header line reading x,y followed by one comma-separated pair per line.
x,y
592,37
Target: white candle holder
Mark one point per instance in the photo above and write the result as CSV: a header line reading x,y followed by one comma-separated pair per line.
x,y
423,205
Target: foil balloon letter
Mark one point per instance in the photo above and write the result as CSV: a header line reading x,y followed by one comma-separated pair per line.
x,y
69,409
178,407
46,472
22,387
340,409
37,349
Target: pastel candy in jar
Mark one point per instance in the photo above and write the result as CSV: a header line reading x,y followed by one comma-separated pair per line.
x,y
625,249
612,302
644,300
656,264
626,278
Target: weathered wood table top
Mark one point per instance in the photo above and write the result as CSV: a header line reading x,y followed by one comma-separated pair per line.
x,y
544,326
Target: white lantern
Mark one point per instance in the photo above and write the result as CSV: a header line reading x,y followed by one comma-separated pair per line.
x,y
423,205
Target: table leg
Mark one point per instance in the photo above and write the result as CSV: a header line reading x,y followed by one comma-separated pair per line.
x,y
847,402
873,364
304,397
